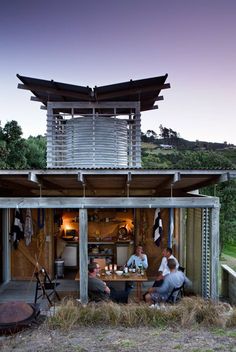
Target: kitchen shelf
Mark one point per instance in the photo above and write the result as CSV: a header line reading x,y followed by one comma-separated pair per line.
x,y
98,242
100,255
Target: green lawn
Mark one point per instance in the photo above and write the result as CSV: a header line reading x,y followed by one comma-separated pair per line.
x,y
228,256
229,250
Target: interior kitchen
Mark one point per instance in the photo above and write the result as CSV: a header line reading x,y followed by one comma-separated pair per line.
x,y
110,237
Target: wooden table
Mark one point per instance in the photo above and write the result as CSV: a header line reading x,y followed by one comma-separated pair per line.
x,y
137,278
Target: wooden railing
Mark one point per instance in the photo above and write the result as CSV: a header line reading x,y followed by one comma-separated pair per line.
x,y
228,284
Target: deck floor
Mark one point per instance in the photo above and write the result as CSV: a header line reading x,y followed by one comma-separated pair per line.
x,y
25,290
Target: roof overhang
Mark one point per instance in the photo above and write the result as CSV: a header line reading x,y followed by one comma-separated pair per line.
x,y
146,91
108,183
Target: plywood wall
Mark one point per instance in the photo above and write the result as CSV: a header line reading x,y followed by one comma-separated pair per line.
x,y
145,236
25,257
193,248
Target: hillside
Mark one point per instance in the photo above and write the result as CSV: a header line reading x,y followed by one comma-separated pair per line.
x,y
160,153
169,137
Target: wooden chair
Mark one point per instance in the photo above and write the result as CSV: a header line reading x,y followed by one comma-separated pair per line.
x,y
45,287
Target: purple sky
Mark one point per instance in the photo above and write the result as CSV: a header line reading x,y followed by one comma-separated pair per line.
x,y
99,42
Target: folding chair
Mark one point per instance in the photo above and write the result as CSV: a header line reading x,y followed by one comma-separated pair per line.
x,y
44,284
176,295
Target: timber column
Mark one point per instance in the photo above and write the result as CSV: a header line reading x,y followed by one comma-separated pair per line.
x,y
83,255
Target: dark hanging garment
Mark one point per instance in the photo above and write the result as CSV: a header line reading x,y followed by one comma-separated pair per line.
x,y
157,228
28,228
17,230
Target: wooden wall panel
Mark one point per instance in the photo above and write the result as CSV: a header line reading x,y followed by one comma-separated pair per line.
x,y
193,251
153,252
24,258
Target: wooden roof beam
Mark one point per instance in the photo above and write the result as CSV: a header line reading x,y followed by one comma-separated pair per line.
x,y
129,179
201,184
131,91
85,183
225,177
44,183
10,187
35,99
33,177
169,183
51,90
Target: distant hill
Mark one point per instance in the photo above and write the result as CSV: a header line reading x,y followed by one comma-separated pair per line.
x,y
183,144
179,152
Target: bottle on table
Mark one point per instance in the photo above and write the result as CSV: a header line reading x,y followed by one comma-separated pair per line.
x,y
133,266
125,270
140,269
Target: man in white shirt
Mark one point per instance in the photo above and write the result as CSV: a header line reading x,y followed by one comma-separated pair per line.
x,y
139,258
164,269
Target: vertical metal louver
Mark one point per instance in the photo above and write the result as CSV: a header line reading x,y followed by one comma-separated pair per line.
x,y
206,257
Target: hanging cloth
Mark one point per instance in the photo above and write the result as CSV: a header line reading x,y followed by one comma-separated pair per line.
x,y
17,231
157,227
28,233
171,227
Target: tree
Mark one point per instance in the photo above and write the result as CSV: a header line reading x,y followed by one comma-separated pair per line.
x,y
169,135
199,160
15,145
36,152
12,132
151,133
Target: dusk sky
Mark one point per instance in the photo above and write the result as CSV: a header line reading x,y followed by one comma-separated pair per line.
x,y
100,42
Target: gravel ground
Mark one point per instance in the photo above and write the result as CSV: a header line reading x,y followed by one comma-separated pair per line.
x,y
121,339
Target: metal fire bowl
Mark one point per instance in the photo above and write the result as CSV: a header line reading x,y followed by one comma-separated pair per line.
x,y
16,315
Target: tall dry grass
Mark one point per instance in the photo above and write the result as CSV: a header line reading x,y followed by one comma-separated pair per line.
x,y
196,310
189,312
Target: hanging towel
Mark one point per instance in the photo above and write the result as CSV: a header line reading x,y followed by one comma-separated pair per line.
x,y
157,227
17,231
171,227
28,233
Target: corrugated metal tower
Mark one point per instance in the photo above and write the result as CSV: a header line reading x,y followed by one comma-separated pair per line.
x,y
95,128
93,139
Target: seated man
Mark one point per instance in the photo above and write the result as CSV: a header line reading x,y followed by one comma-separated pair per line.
x,y
99,291
138,259
164,269
172,280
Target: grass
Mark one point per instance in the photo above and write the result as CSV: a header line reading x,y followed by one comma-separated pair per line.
x,y
189,312
230,250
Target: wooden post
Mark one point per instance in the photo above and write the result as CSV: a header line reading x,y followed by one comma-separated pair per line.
x,y
83,255
50,239
137,219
